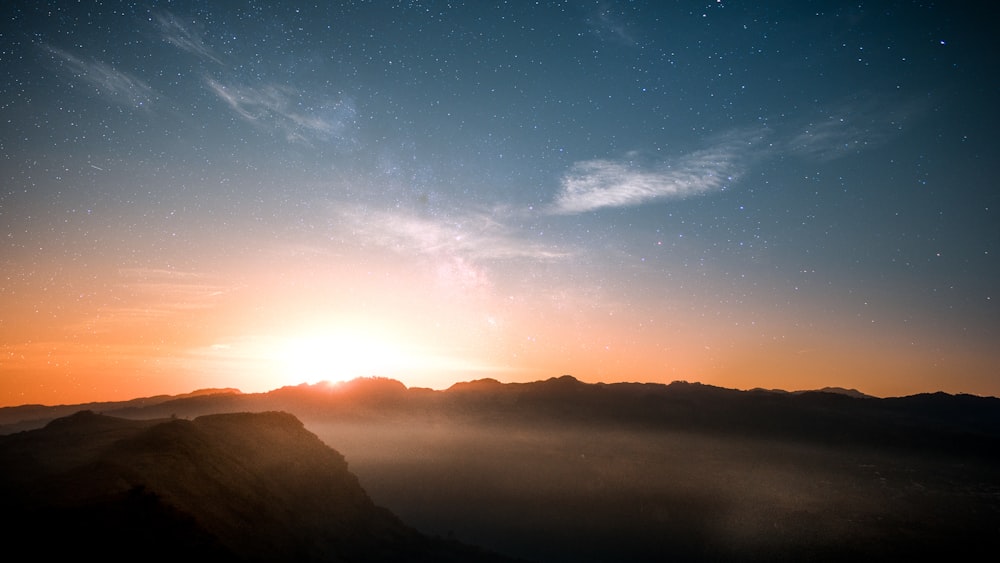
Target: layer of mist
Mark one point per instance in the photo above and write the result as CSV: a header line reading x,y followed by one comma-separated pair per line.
x,y
578,494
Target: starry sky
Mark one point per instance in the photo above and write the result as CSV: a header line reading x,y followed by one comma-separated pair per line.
x,y
786,194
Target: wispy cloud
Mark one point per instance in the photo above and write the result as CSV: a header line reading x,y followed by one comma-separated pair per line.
x,y
460,249
155,295
112,84
288,111
626,182
608,26
596,184
477,236
184,289
848,128
852,127
281,109
183,36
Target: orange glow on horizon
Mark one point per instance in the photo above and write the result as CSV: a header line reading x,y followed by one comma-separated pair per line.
x,y
262,326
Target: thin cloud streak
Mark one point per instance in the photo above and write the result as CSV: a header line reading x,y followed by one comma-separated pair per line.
x,y
847,129
606,26
155,295
473,236
273,107
279,108
117,86
596,184
853,127
459,250
175,32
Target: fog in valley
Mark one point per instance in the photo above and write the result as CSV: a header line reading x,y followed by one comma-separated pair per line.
x,y
579,493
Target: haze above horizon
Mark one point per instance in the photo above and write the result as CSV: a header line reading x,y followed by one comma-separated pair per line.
x,y
788,196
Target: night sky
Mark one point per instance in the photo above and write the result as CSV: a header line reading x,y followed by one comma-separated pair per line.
x,y
760,194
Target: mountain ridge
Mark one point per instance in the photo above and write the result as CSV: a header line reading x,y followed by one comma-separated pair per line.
x,y
16,413
935,421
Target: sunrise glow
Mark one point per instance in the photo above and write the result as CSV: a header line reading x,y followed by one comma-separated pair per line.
x,y
339,355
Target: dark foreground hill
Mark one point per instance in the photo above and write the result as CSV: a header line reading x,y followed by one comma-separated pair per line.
x,y
230,487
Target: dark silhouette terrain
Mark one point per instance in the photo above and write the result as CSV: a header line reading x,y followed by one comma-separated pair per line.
x,y
229,487
561,470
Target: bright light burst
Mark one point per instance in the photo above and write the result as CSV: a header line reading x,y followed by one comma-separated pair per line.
x,y
339,355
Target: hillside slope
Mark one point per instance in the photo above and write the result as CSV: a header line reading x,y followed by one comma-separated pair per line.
x,y
234,487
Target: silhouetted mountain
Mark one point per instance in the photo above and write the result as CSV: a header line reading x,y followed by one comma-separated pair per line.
x,y
940,421
29,417
849,392
926,422
839,390
227,487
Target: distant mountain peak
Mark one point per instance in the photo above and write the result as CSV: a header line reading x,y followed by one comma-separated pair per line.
x,y
212,391
487,383
565,379
849,392
838,391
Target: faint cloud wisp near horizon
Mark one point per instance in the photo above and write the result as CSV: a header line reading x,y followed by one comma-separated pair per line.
x,y
460,248
476,236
